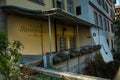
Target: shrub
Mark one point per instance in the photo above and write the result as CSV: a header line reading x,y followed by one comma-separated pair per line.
x,y
9,54
101,69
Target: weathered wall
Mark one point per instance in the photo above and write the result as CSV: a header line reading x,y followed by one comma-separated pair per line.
x,y
28,31
74,63
48,4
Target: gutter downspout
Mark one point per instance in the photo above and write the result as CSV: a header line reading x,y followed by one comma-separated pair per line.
x,y
78,47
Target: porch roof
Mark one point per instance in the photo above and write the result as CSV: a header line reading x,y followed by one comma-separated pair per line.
x,y
54,13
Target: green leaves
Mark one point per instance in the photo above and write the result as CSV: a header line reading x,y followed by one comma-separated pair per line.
x,y
9,53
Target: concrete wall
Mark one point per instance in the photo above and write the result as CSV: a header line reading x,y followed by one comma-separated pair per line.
x,y
48,4
74,63
84,9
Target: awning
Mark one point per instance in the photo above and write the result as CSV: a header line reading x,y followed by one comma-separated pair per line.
x,y
55,13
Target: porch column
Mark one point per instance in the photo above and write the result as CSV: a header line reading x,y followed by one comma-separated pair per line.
x,y
78,46
43,55
50,39
78,39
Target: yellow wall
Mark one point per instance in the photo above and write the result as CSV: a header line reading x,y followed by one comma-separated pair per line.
x,y
31,5
84,36
28,31
31,39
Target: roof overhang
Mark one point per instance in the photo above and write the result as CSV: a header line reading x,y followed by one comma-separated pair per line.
x,y
55,13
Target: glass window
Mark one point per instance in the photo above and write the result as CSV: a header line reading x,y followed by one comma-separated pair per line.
x,y
106,7
108,25
72,43
38,1
99,1
78,10
103,4
112,29
96,17
108,41
62,43
112,44
60,4
100,19
70,6
105,24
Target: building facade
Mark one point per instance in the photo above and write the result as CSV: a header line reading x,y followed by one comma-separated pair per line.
x,y
45,26
101,13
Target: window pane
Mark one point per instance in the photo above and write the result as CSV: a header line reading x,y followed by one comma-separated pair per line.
x,y
62,43
60,4
96,18
78,10
72,43
70,6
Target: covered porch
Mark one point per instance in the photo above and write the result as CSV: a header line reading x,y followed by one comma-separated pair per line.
x,y
50,31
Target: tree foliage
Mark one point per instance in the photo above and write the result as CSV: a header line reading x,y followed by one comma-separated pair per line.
x,y
9,55
117,33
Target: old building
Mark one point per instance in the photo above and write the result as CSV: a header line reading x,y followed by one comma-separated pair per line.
x,y
45,26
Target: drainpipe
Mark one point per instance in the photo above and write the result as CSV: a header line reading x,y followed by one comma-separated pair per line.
x,y
50,39
78,48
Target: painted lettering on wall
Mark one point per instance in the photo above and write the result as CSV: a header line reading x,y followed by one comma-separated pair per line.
x,y
32,31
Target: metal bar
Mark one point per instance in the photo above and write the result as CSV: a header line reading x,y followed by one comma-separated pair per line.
x,y
68,64
78,46
50,39
42,40
79,64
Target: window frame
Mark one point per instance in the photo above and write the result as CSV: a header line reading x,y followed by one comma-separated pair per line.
x,y
101,20
96,18
78,10
62,4
70,6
